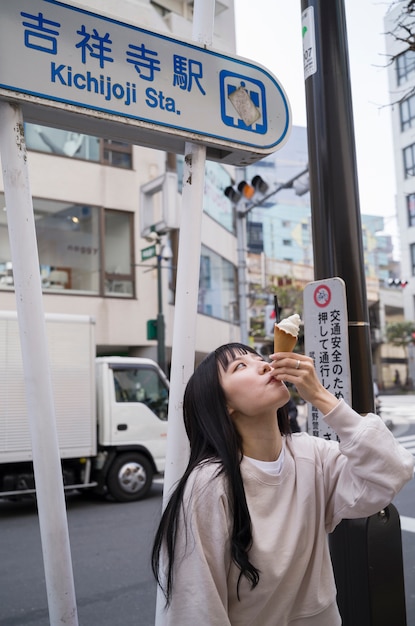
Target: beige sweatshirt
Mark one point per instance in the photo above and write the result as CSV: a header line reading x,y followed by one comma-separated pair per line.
x,y
321,482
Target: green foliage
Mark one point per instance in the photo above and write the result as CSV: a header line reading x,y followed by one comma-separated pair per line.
x,y
400,333
290,300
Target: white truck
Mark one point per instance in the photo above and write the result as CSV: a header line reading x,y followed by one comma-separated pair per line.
x,y
111,413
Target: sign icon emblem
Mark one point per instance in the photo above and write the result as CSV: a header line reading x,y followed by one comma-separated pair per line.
x,y
243,102
322,296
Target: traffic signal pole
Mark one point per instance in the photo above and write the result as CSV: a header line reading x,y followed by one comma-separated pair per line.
x,y
370,587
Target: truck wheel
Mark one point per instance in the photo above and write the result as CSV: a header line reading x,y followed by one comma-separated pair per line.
x,y
130,477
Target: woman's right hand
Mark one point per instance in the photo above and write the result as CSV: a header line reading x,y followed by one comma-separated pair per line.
x,y
299,370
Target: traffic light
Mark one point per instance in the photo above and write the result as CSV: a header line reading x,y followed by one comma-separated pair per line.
x,y
233,195
269,320
397,282
259,184
246,190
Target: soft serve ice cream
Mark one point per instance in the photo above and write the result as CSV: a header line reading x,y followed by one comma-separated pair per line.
x,y
286,333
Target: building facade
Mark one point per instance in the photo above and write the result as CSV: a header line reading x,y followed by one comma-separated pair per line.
x,y
401,79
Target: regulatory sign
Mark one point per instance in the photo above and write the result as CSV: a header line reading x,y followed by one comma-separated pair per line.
x,y
326,340
153,89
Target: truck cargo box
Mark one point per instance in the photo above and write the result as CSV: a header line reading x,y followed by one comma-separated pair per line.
x,y
71,345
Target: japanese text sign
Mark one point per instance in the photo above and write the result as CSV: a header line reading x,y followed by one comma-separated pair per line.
x,y
56,55
326,341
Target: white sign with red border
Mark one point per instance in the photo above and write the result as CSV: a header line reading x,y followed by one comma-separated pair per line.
x,y
326,341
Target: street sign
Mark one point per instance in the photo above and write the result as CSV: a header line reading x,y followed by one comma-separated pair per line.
x,y
148,253
326,340
68,66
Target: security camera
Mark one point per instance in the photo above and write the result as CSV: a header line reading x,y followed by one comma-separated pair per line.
x,y
152,237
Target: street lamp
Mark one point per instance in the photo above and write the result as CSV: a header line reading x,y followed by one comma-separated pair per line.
x,y
242,204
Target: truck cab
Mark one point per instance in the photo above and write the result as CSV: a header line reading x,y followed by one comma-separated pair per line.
x,y
132,406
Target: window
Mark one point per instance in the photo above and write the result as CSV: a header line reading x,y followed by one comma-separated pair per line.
x,y
78,146
410,205
287,242
255,237
142,384
409,161
407,113
116,153
405,66
118,248
217,286
412,252
72,251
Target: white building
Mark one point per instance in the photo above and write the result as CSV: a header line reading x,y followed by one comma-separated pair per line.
x,y
401,76
86,196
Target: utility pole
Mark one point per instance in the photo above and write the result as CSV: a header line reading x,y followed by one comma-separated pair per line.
x,y
362,568
161,341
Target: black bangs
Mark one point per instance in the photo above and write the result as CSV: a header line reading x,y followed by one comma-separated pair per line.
x,y
229,352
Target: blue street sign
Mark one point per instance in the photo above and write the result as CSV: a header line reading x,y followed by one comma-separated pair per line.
x,y
161,90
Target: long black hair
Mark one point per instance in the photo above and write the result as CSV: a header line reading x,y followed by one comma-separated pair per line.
x,y
212,436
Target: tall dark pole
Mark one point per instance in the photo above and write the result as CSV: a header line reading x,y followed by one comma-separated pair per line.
x,y
338,251
337,233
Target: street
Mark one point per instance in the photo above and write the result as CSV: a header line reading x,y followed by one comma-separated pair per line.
x,y
111,546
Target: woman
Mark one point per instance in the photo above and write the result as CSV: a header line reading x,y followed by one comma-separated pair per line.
x,y
243,539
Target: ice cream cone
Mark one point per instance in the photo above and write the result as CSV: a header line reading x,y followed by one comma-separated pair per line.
x,y
283,342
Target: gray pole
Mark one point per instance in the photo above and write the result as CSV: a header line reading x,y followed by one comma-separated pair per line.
x,y
161,342
362,568
241,213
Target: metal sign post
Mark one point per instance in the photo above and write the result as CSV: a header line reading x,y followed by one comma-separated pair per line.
x,y
40,407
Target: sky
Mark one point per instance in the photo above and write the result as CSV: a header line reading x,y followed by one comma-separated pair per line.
x,y
269,33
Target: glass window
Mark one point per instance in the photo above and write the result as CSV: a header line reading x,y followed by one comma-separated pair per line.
x,y
71,251
68,243
407,113
118,253
78,146
141,384
410,204
409,161
412,251
116,153
405,66
255,237
217,287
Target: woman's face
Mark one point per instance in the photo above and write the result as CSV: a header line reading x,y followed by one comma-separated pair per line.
x,y
250,386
